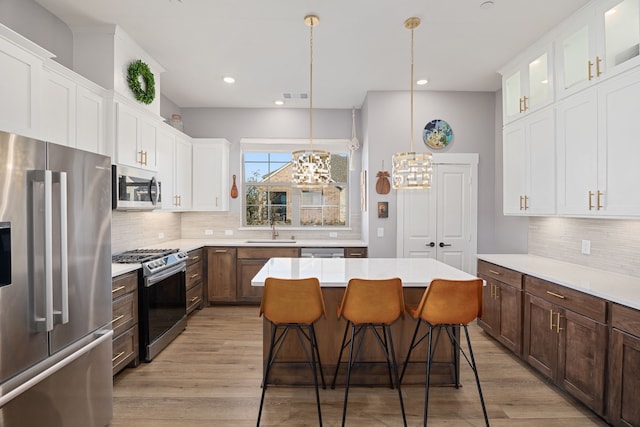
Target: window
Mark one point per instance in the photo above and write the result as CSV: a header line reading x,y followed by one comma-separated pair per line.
x,y
268,192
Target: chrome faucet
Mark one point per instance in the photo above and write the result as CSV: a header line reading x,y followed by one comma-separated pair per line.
x,y
274,233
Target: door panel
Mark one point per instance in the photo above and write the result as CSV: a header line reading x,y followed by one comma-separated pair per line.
x,y
435,223
89,243
22,344
540,340
453,192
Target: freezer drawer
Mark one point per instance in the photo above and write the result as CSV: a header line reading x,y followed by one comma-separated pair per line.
x,y
77,395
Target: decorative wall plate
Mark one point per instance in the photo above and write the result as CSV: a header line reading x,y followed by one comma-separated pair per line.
x,y
437,134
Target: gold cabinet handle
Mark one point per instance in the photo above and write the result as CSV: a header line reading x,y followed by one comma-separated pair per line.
x,y
117,356
491,291
139,153
119,288
496,294
556,295
117,318
558,328
526,204
145,158
194,299
598,61
216,201
494,272
195,258
520,109
551,325
520,202
590,197
221,251
598,196
524,103
589,65
193,276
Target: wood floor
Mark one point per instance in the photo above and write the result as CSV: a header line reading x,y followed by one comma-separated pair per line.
x,y
210,376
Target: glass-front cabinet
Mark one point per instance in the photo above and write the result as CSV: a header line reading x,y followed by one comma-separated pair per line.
x,y
598,42
527,84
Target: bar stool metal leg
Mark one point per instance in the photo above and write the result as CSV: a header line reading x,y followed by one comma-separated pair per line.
x,y
475,372
344,339
265,378
349,365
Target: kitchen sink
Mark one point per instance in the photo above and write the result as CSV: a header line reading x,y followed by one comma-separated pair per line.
x,y
270,241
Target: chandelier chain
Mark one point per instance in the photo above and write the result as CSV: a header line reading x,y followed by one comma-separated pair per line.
x,y
411,87
311,83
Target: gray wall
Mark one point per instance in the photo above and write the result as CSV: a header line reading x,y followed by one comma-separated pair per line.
x,y
236,123
34,22
472,116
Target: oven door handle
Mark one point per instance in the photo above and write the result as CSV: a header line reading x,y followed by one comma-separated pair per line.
x,y
155,278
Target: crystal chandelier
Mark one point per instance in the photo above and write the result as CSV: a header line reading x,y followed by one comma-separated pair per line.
x,y
311,168
411,170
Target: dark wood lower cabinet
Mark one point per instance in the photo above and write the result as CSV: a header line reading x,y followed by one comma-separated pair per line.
x,y
221,274
502,305
624,367
249,262
568,347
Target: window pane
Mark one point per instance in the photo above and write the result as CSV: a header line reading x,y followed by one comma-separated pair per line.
x,y
270,195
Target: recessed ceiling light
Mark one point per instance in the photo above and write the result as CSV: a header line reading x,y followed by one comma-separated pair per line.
x,y
229,79
486,4
278,102
422,82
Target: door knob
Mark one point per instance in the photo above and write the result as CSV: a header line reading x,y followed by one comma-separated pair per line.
x,y
432,244
442,245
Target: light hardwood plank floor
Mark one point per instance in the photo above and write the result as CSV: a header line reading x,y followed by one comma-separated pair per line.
x,y
210,376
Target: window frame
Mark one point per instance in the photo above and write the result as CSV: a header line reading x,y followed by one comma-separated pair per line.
x,y
264,145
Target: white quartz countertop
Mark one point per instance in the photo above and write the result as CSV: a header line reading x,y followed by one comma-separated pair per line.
x,y
192,244
613,287
336,272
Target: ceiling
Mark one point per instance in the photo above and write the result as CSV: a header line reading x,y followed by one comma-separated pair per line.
x,y
358,46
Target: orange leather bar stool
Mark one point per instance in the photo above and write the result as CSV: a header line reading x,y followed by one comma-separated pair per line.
x,y
448,304
371,305
297,304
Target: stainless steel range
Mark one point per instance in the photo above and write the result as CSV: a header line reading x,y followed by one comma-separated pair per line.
x,y
162,303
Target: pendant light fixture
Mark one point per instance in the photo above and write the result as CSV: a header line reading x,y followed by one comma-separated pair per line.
x,y
311,168
411,170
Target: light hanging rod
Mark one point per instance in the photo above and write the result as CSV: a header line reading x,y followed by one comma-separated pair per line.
x,y
411,24
311,21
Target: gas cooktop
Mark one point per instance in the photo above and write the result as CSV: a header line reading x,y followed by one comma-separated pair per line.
x,y
141,255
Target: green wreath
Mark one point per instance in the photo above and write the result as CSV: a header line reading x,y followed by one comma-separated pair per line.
x,y
136,70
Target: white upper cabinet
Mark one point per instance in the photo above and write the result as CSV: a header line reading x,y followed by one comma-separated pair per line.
x,y
210,174
59,109
174,168
90,120
597,151
135,138
598,42
20,85
528,83
529,165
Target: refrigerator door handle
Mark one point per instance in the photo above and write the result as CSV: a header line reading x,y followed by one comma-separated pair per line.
x,y
48,250
62,315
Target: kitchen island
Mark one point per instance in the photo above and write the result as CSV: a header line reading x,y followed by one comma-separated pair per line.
x,y
334,274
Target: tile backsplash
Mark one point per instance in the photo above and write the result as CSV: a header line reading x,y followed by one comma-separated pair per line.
x,y
615,244
194,225
132,230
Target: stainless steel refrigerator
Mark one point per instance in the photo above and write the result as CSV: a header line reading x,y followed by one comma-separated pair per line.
x,y
55,285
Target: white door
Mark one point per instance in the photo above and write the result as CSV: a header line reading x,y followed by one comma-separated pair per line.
x,y
441,222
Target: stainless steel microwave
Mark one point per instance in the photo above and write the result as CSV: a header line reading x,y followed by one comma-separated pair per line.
x,y
135,189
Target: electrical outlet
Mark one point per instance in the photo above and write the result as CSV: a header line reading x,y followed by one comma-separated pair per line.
x,y
228,232
586,247
208,232
160,235
380,231
333,234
